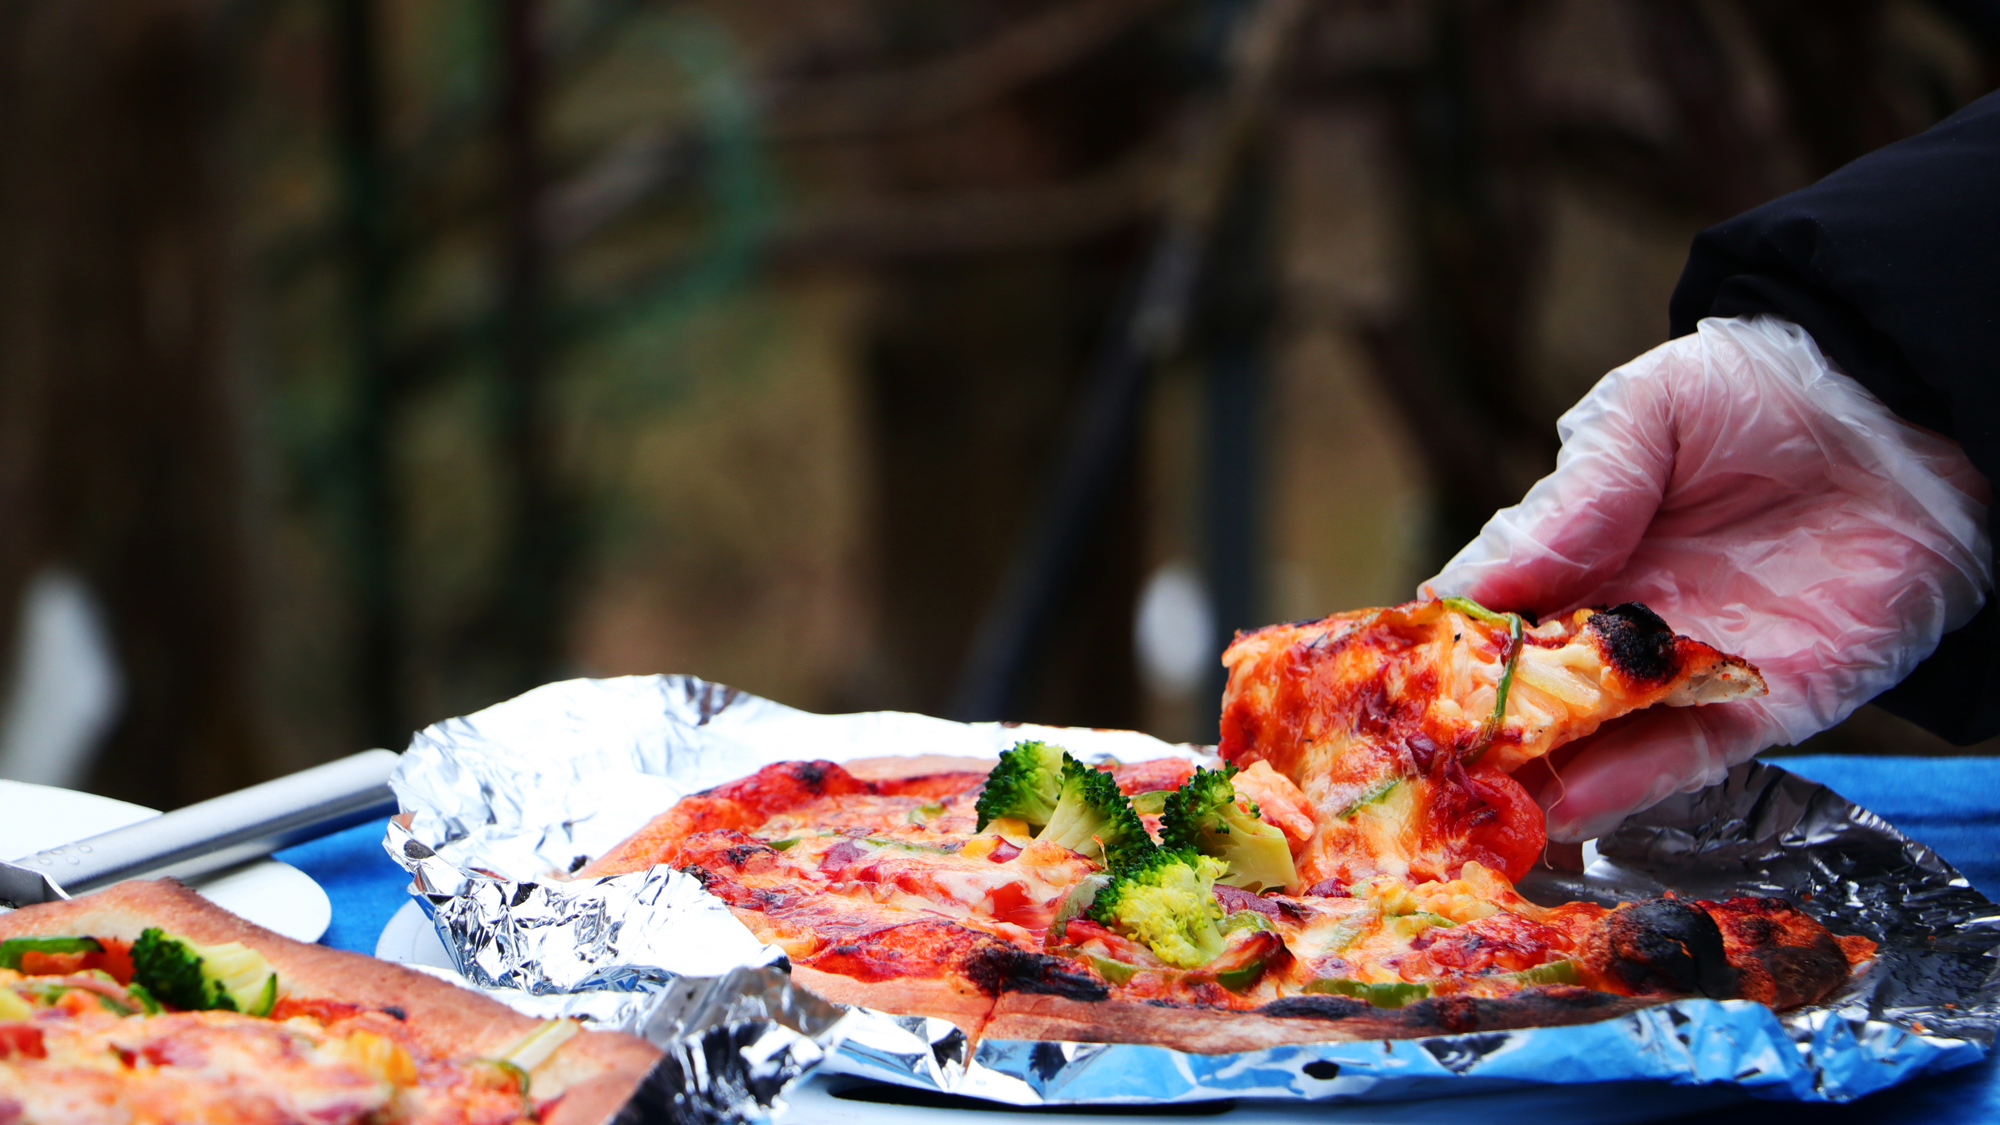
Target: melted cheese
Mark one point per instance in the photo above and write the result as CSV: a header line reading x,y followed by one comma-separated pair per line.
x,y
81,1063
1406,701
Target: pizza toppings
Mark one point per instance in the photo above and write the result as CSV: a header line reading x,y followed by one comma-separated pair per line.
x,y
1024,786
1401,725
197,977
1166,899
1207,814
1093,819
1201,916
192,1031
1352,857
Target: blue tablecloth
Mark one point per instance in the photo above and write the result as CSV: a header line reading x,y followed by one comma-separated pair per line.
x,y
1952,804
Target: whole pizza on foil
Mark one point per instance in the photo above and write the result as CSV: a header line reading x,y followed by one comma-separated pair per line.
x,y
498,800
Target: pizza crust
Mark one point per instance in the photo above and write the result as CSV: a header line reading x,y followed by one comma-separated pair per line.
x,y
947,998
596,1071
1205,1031
1298,1020
916,765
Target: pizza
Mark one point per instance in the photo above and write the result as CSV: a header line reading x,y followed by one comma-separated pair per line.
x,y
147,1003
1403,726
1343,870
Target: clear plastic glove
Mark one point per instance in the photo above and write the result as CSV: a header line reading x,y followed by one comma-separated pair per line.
x,y
1758,500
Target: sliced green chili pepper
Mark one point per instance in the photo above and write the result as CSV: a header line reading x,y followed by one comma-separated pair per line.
x,y
1412,924
1244,920
1493,723
1376,792
1117,972
1389,994
12,949
138,992
1238,980
1554,972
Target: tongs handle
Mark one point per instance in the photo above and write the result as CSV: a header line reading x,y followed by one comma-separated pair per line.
x,y
227,830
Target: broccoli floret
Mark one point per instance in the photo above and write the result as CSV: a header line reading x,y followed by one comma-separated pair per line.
x,y
1166,898
1024,785
1208,815
1092,817
195,978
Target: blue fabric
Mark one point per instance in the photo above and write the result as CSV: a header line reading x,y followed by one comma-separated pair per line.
x,y
1952,804
364,884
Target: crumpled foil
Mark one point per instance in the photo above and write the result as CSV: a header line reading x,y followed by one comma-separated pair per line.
x,y
503,799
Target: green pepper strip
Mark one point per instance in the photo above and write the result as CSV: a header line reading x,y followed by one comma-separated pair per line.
x,y
1392,994
1116,972
1491,727
1552,972
138,992
1243,979
1374,793
12,949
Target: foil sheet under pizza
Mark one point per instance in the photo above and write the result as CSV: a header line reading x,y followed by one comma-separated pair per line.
x,y
503,796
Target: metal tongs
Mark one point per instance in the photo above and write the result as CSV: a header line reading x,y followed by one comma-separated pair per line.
x,y
211,835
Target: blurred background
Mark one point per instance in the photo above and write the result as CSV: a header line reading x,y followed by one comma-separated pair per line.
x,y
366,363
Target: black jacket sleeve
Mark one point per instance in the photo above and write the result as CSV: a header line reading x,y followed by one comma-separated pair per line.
x,y
1892,264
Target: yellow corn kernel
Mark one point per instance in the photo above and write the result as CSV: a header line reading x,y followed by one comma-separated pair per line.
x,y
1013,828
377,1056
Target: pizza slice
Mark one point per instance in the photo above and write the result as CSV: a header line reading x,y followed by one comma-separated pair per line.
x,y
1401,725
147,1003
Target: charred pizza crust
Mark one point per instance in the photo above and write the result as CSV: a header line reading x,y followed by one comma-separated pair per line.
x,y
1294,1019
594,1072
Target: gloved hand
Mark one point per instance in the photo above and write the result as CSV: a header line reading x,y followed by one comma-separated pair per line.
x,y
1760,501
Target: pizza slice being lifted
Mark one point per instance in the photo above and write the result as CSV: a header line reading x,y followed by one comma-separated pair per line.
x,y
1401,725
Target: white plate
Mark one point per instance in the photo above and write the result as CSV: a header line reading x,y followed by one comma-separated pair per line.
x,y
410,939
276,896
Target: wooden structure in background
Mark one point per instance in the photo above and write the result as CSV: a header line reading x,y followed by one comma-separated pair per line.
x,y
121,454
373,362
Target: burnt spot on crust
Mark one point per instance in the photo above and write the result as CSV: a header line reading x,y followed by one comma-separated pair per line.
x,y
1795,975
1455,1014
812,775
996,967
1662,945
1546,1006
740,855
1550,1005
1636,642
1316,1008
1783,957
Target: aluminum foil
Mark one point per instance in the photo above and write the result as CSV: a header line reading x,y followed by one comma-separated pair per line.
x,y
503,799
